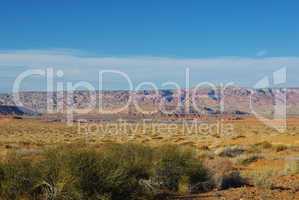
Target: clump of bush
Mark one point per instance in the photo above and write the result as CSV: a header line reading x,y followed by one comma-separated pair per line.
x,y
17,177
248,159
115,172
280,148
173,164
55,179
224,175
262,178
292,166
261,146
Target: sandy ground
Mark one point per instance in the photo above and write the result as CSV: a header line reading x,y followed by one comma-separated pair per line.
x,y
30,136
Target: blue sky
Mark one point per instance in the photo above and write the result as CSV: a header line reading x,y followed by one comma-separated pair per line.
x,y
219,40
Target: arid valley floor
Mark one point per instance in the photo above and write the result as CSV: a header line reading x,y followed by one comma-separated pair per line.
x,y
266,158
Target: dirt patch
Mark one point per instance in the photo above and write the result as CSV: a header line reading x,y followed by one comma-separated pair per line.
x,y
4,120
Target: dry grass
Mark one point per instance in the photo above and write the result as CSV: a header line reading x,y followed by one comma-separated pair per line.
x,y
264,148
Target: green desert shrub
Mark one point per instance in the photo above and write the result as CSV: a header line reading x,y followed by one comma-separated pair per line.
x,y
174,163
136,159
56,182
292,165
17,179
113,172
248,159
262,178
263,145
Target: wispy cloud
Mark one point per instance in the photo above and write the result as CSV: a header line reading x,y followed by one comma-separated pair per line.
x,y
262,53
79,65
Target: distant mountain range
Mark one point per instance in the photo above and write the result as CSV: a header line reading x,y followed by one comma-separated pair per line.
x,y
203,101
15,110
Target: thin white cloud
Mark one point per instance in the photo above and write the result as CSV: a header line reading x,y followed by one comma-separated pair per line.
x,y
69,59
79,65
